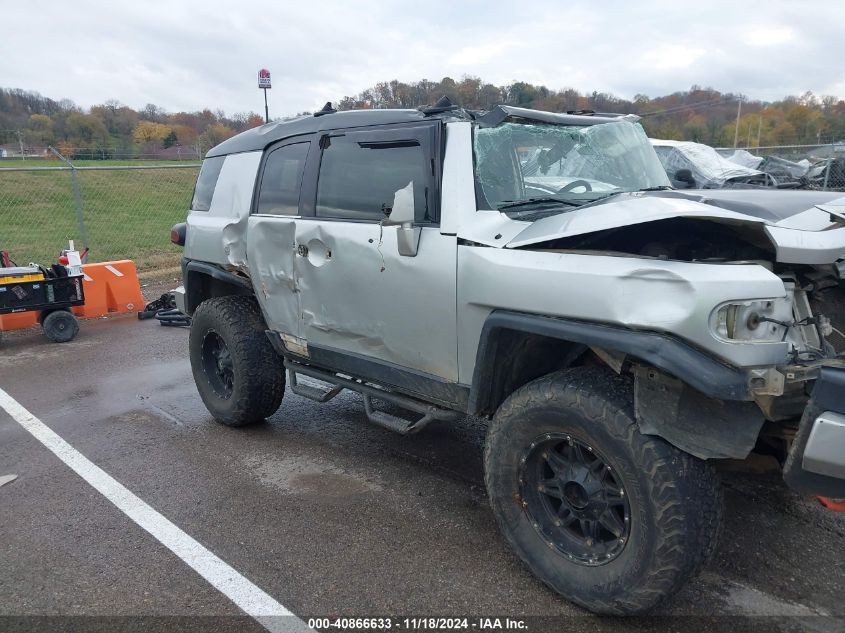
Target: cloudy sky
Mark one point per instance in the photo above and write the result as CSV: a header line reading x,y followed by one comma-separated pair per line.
x,y
188,55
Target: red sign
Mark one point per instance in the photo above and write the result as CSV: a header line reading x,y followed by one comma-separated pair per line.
x,y
264,78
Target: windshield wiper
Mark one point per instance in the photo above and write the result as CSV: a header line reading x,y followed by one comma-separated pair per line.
x,y
541,200
659,188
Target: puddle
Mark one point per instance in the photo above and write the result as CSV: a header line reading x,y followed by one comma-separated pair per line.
x,y
297,474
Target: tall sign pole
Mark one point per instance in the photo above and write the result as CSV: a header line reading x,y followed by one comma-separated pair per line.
x,y
264,84
738,114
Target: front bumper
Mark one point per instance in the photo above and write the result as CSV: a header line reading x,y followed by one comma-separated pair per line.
x,y
816,461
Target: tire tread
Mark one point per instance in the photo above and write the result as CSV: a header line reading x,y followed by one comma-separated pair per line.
x,y
260,369
685,490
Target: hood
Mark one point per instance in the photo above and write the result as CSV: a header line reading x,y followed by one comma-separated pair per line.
x,y
772,205
815,235
622,210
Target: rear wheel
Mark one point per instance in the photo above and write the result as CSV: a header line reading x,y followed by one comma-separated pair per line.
x,y
60,326
239,376
612,519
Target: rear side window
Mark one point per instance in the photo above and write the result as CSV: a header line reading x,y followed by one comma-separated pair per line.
x,y
207,180
282,180
357,179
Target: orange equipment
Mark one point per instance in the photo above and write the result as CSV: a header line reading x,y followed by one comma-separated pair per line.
x,y
110,288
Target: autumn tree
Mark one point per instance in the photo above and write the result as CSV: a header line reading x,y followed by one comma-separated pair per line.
x,y
85,130
150,132
700,113
40,129
215,134
151,136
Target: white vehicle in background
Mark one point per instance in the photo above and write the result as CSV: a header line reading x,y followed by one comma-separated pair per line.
x,y
702,167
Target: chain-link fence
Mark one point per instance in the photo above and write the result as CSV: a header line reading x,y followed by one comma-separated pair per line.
x,y
120,212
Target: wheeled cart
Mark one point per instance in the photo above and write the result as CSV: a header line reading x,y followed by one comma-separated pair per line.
x,y
29,289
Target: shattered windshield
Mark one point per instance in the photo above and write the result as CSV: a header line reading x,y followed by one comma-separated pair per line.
x,y
533,169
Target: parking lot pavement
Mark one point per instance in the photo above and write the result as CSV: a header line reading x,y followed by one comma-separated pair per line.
x,y
324,512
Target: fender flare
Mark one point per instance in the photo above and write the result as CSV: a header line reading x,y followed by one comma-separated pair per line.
x,y
193,270
677,358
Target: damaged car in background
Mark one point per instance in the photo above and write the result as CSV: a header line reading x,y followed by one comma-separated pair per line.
x,y
536,269
697,166
691,165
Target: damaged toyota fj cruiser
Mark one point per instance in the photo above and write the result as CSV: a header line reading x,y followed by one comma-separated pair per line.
x,y
535,269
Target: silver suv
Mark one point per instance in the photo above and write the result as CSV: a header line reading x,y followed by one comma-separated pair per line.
x,y
538,270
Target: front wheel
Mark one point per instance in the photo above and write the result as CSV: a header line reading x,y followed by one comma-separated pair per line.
x,y
238,374
612,519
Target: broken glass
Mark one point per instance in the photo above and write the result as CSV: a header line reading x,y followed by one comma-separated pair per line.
x,y
516,162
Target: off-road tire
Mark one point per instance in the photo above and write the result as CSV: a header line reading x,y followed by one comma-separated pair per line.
x,y
60,326
258,376
674,498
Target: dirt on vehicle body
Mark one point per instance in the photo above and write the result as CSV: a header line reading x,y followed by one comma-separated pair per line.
x,y
537,269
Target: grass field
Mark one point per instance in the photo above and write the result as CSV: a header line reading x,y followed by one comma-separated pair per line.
x,y
127,213
41,162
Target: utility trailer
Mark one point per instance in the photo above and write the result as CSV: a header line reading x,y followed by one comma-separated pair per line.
x,y
46,291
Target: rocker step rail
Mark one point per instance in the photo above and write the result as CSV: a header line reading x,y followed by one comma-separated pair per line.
x,y
395,423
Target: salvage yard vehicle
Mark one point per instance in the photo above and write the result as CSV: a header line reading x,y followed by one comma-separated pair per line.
x,y
535,269
697,166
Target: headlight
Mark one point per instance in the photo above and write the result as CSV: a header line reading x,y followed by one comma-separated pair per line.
x,y
758,320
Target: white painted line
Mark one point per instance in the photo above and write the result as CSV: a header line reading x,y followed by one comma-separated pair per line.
x,y
114,270
255,602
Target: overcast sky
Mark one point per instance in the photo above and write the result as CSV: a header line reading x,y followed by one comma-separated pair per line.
x,y
188,55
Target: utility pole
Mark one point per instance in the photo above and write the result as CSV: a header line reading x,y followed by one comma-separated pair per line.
x,y
738,113
759,128
20,142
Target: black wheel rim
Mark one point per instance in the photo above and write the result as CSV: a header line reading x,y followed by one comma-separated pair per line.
x,y
574,499
217,364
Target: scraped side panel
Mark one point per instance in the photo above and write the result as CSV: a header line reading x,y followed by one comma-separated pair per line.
x,y
271,252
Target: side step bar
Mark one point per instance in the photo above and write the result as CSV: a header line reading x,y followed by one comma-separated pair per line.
x,y
307,391
403,426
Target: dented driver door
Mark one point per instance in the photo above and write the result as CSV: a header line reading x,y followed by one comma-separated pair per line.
x,y
363,303
271,241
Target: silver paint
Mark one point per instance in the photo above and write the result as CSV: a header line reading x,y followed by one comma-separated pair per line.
x,y
345,285
662,296
218,236
370,300
271,252
628,209
825,450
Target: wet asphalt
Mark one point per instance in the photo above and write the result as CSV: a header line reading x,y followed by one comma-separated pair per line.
x,y
328,514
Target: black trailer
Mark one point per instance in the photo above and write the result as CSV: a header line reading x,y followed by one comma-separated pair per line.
x,y
51,297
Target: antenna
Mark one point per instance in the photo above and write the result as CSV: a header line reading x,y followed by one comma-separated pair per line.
x,y
444,104
327,109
